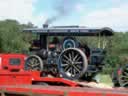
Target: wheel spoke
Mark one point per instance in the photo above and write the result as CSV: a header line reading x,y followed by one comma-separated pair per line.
x,y
30,61
125,84
69,69
126,69
78,59
64,65
125,73
124,77
75,57
66,57
78,62
76,68
66,68
72,55
37,64
65,61
74,71
79,67
123,81
33,60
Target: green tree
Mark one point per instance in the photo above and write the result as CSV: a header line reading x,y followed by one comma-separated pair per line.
x,y
11,36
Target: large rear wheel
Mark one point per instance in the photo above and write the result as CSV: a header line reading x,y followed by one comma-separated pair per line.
x,y
72,63
34,63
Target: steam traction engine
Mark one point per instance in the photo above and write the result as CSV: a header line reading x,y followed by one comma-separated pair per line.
x,y
58,51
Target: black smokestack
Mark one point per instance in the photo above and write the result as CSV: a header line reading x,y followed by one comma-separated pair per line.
x,y
45,25
62,8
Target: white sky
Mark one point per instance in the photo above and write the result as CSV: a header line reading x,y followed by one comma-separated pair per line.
x,y
115,17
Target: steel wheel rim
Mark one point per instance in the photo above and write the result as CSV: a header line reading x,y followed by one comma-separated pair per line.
x,y
33,63
72,63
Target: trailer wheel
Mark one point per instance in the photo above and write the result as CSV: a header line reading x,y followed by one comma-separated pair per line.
x,y
72,63
123,77
34,63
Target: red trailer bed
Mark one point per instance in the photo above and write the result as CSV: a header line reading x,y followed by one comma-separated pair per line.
x,y
33,90
20,84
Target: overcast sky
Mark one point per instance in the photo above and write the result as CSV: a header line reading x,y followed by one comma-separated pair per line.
x,y
91,13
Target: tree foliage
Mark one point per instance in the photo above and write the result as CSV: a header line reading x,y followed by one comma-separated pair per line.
x,y
11,37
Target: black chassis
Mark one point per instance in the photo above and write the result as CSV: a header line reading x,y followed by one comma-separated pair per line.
x,y
66,58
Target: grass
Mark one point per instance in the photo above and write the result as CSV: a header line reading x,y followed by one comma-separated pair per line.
x,y
106,79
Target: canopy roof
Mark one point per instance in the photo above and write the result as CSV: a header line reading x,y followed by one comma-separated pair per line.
x,y
71,31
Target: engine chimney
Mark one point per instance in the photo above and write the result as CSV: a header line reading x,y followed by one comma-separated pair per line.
x,y
45,25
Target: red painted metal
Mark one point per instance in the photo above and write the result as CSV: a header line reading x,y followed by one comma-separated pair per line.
x,y
13,78
63,91
5,61
60,81
29,77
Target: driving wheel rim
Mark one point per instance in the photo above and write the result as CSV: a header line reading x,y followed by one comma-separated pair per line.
x,y
123,77
72,63
34,63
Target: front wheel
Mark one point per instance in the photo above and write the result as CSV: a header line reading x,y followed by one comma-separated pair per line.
x,y
34,63
72,63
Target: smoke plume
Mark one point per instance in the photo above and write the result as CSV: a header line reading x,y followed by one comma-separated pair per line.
x,y
62,8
